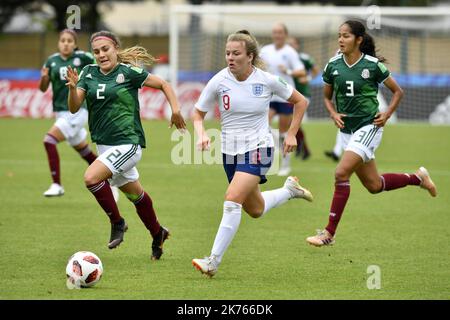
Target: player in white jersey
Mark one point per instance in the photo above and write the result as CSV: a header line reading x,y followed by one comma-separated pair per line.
x,y
282,60
243,92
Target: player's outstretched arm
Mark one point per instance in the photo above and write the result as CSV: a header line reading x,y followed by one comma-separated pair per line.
x,y
300,105
156,82
76,95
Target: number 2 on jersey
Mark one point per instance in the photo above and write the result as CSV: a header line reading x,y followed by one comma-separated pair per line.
x,y
226,101
101,89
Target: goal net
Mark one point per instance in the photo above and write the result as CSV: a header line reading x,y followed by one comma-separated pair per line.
x,y
415,42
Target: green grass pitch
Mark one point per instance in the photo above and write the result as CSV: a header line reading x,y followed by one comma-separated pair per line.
x,y
404,232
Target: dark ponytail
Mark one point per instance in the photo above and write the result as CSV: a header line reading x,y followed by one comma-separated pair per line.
x,y
367,45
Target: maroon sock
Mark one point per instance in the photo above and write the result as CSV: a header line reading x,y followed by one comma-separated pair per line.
x,y
144,208
299,137
340,197
87,154
102,192
301,142
50,143
392,181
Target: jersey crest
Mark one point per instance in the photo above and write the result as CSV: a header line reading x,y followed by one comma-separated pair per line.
x,y
120,78
365,74
257,89
76,62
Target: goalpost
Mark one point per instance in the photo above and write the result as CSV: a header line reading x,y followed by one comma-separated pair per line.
x,y
415,42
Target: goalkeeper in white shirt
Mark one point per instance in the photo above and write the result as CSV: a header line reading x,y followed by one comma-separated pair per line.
x,y
243,92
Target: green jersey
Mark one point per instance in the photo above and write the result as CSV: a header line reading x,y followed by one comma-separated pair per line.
x,y
355,88
113,105
57,66
309,63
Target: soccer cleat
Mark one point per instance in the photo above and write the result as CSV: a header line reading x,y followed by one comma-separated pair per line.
x,y
116,194
158,241
117,232
296,190
322,238
332,155
207,265
55,190
426,182
284,171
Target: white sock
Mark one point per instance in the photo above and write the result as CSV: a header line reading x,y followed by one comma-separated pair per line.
x,y
338,147
275,198
228,226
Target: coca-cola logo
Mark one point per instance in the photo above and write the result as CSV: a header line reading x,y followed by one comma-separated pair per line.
x,y
23,99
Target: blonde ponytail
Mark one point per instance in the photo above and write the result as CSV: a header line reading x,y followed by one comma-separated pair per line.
x,y
136,56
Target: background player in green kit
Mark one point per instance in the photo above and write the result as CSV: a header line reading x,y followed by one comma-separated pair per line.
x,y
111,92
354,76
68,126
302,86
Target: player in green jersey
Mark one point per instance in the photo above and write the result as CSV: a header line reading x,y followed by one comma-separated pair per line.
x,y
110,89
69,127
302,86
354,76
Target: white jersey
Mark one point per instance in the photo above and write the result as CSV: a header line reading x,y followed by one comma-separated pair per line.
x,y
244,108
286,56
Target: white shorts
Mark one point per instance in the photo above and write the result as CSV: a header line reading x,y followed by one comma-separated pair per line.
x,y
363,142
72,125
121,161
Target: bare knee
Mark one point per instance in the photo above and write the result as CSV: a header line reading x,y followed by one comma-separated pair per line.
x,y
341,175
232,196
80,146
373,186
254,212
90,178
50,139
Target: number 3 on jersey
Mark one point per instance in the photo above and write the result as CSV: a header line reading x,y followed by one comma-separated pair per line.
x,y
350,92
226,101
100,90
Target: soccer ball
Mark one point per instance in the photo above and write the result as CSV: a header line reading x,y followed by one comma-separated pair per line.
x,y
84,269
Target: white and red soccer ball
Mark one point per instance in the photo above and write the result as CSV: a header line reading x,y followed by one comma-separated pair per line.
x,y
84,269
